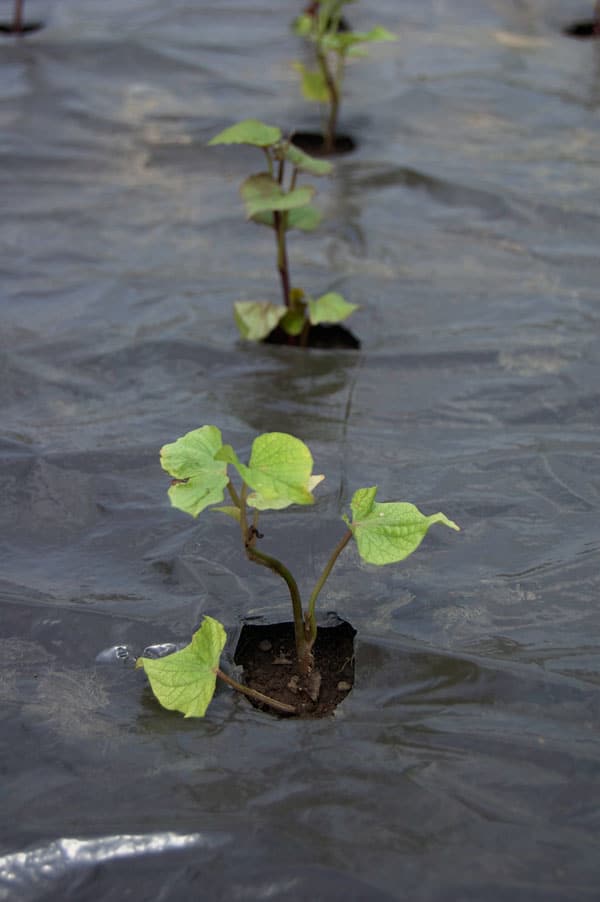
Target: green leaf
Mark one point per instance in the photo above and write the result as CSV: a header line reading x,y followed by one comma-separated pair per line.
x,y
305,219
343,41
279,471
362,503
294,320
250,131
378,33
313,84
227,454
304,161
255,319
303,25
328,15
261,192
185,681
199,480
389,532
330,308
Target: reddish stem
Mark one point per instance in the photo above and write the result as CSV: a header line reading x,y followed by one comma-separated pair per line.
x,y
17,25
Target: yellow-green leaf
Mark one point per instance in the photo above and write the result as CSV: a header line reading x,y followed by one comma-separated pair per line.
x,y
199,480
330,308
262,193
185,681
303,161
250,131
389,532
305,219
255,319
279,472
293,322
313,84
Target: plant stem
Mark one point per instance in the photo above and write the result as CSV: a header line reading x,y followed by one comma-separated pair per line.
x,y
249,536
304,335
243,514
310,619
17,25
277,567
280,224
334,101
255,694
282,260
269,160
234,495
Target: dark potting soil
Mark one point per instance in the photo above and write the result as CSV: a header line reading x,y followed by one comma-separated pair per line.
x,y
583,30
314,144
268,656
323,337
27,28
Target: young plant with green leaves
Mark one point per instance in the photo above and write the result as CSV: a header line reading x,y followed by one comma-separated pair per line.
x,y
278,474
274,199
320,23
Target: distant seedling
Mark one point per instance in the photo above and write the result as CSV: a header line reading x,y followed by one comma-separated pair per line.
x,y
274,199
17,24
334,45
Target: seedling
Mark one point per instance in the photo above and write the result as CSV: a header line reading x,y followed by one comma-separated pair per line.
x,y
18,16
312,9
273,199
320,23
278,474
16,25
587,28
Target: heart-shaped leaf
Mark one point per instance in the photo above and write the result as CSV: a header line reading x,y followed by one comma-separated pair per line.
x,y
303,25
262,193
303,161
305,219
199,480
330,308
185,681
279,471
389,532
250,131
314,86
343,41
294,320
256,319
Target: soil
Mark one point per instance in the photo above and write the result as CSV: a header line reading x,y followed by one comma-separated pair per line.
x,y
27,28
268,656
314,144
583,30
331,337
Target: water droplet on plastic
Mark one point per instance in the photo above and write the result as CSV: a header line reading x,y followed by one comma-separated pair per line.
x,y
116,653
159,650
